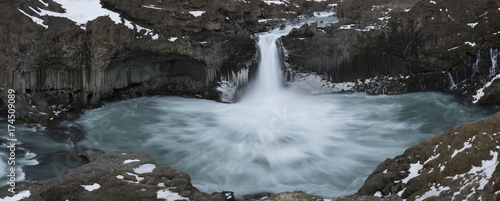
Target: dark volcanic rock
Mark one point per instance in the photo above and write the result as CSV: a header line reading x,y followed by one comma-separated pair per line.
x,y
386,38
461,164
116,176
59,63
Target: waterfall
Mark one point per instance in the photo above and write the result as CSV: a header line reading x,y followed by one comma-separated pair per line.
x,y
452,83
494,61
269,80
269,75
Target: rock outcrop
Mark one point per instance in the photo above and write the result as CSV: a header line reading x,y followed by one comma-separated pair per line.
x,y
116,176
461,164
407,45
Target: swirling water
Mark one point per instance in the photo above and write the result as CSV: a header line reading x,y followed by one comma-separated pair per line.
x,y
324,145
275,139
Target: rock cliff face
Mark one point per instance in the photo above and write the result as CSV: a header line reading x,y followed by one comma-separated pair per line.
x,y
144,47
440,45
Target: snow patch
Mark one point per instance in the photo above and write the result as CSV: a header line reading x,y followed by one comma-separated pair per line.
x,y
169,195
347,26
432,2
92,187
466,146
470,43
378,194
136,177
83,11
172,39
431,158
145,168
21,195
433,192
196,13
480,92
130,161
45,4
472,25
414,171
34,19
478,177
269,2
120,176
152,7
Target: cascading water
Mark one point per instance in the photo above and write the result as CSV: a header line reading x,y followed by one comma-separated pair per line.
x,y
269,80
452,83
274,139
494,61
475,66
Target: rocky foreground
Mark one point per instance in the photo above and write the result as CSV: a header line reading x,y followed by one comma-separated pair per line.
x,y
461,164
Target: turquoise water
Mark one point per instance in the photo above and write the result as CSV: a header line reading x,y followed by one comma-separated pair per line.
x,y
324,145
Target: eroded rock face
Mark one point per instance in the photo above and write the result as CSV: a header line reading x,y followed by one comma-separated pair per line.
x,y
461,164
116,176
173,48
428,41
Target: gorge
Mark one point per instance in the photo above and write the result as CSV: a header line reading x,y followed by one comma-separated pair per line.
x,y
284,130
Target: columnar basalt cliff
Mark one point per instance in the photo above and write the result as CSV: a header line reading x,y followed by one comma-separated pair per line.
x,y
157,47
407,46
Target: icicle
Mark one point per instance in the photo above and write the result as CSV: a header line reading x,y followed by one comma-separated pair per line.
x,y
494,61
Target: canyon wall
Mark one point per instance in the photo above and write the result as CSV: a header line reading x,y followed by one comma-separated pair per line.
x,y
414,45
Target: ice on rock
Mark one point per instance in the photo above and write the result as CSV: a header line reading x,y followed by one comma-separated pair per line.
x,y
92,187
145,168
130,160
169,195
196,13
